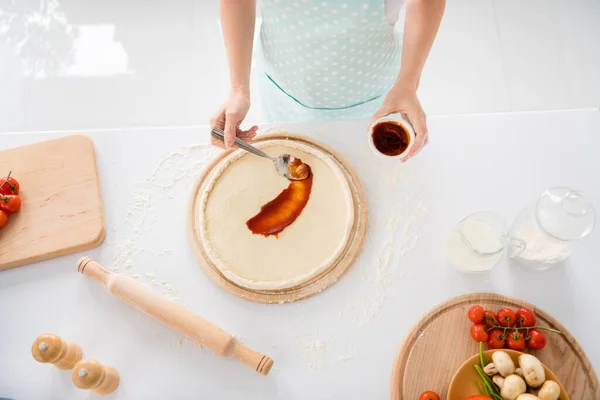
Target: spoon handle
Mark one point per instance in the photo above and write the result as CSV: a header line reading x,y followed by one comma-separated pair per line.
x,y
218,133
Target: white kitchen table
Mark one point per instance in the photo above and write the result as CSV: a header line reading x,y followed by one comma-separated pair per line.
x,y
341,343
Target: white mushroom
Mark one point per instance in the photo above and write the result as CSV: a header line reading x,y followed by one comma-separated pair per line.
x,y
519,372
498,380
549,391
527,396
504,364
533,370
490,369
513,387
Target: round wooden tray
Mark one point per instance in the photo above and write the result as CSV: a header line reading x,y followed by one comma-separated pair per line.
x,y
439,343
310,287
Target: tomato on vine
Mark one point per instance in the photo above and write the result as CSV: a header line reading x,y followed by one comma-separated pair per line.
x,y
496,339
525,317
507,317
3,219
478,333
515,330
516,341
536,340
476,314
489,319
10,203
429,395
9,185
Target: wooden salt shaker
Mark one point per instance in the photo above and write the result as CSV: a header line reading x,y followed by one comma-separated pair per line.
x,y
90,374
49,348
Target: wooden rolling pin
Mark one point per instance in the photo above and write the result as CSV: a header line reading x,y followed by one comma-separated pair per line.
x,y
175,316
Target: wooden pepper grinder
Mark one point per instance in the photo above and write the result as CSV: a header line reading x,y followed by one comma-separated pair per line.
x,y
90,374
49,348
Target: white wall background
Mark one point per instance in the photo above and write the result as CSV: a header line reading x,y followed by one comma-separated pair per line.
x,y
89,64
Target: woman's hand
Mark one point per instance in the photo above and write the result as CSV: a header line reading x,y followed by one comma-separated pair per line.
x,y
229,117
403,99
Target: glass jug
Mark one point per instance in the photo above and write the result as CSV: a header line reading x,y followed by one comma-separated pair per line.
x,y
543,233
477,242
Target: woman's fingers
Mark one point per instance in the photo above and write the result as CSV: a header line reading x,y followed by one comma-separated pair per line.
x,y
418,121
247,135
250,133
217,143
232,122
217,121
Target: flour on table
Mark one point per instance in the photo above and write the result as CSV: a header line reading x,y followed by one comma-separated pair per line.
x,y
381,266
183,166
135,236
401,235
139,237
313,353
319,352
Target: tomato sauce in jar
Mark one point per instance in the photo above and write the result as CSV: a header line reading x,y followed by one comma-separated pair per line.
x,y
390,138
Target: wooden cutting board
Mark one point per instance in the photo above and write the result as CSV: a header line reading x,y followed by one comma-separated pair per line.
x,y
440,342
61,201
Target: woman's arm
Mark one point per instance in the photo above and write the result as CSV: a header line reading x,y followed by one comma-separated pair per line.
x,y
423,18
238,19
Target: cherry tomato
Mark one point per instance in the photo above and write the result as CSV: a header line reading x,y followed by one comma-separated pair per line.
x,y
9,185
495,340
537,339
506,317
3,219
489,319
478,333
429,396
10,203
525,317
516,341
476,314
478,397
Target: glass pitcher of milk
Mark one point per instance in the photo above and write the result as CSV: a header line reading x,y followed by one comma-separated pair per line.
x,y
544,232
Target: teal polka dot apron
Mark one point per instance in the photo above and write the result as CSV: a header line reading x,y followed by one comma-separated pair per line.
x,y
327,59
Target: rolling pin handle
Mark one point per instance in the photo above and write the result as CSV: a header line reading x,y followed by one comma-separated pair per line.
x,y
89,267
261,363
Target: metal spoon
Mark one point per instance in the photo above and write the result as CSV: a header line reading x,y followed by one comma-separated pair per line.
x,y
282,163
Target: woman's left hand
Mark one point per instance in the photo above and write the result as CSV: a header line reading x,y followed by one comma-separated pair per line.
x,y
403,100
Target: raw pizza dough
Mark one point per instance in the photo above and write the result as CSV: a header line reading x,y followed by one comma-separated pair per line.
x,y
236,190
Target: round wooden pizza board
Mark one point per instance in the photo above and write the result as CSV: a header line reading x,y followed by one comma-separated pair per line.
x,y
440,342
310,287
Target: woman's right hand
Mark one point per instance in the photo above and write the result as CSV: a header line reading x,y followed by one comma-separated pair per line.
x,y
229,117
